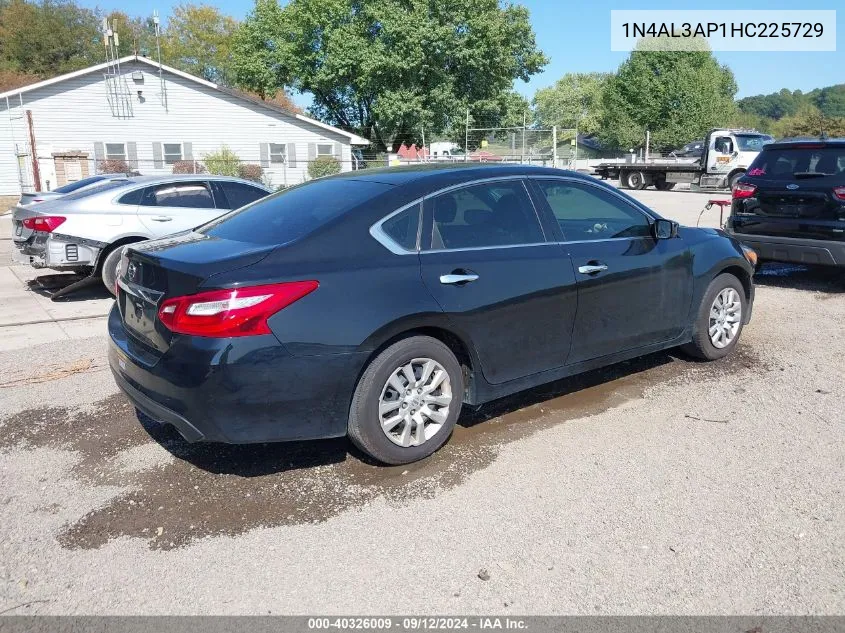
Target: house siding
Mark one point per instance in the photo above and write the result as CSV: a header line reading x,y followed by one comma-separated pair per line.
x,y
76,115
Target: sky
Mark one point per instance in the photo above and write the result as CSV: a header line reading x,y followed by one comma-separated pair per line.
x,y
576,38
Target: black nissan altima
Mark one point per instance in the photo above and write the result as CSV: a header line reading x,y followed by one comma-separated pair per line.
x,y
376,304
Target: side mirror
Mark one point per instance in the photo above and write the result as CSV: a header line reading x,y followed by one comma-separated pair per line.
x,y
664,229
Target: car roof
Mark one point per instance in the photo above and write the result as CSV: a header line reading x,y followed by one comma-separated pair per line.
x,y
809,142
432,172
164,178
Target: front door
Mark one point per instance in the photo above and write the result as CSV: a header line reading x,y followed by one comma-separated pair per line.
x,y
633,290
177,206
486,261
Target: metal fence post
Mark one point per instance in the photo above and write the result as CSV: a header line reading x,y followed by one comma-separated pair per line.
x,y
466,141
554,146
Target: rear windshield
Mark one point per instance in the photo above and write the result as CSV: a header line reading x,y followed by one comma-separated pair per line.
x,y
793,163
84,193
73,186
293,213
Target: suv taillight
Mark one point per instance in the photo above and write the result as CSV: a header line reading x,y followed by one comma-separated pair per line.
x,y
839,192
742,190
47,223
233,312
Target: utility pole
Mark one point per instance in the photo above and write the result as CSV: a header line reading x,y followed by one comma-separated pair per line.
x,y
647,143
423,142
36,170
522,159
466,140
554,146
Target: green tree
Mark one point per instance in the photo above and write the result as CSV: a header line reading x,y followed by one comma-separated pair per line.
x,y
676,95
323,166
198,40
388,68
223,162
49,37
809,121
574,100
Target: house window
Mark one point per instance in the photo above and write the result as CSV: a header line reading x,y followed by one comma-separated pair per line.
x,y
277,153
172,153
115,151
325,149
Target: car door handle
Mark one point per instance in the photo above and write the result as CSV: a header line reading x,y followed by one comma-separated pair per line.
x,y
592,269
458,278
161,218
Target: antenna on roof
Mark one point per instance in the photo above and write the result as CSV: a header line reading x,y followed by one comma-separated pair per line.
x,y
157,26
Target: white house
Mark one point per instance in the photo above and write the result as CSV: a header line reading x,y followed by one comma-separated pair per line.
x,y
150,116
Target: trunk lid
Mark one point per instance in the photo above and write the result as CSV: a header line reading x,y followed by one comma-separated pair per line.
x,y
170,267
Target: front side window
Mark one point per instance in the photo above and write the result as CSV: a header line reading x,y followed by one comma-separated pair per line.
x,y
277,153
724,145
325,149
194,195
172,153
484,215
585,212
115,151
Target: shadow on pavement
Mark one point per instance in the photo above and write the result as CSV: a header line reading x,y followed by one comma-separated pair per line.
x,y
828,279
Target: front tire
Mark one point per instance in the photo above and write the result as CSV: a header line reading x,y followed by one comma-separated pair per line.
x,y
718,322
407,401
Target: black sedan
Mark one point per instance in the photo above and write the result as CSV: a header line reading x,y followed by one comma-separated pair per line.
x,y
375,304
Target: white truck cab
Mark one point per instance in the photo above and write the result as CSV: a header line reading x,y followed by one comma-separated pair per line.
x,y
728,155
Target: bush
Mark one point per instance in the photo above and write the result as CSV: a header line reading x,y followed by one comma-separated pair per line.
x,y
323,166
250,171
114,166
223,162
188,167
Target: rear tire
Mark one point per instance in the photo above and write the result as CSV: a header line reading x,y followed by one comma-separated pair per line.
x,y
662,185
108,271
718,322
380,420
735,179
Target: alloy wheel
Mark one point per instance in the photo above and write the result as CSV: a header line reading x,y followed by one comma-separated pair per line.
x,y
725,318
414,402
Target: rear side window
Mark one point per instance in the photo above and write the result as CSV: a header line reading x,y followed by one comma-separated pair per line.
x,y
133,197
84,193
402,228
192,195
798,162
78,184
584,212
238,194
295,212
484,215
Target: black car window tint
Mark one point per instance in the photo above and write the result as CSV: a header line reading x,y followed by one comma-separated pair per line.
x,y
192,195
489,214
585,212
238,194
133,197
402,227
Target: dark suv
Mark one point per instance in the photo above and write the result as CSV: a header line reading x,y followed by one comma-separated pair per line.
x,y
790,205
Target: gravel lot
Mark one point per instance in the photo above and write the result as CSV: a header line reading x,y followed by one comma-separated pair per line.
x,y
660,486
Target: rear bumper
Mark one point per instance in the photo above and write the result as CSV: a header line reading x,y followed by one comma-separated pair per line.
x,y
49,250
237,391
796,250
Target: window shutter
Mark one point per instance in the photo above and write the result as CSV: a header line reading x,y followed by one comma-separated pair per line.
x,y
338,151
188,151
132,155
158,163
264,154
99,151
291,154
312,152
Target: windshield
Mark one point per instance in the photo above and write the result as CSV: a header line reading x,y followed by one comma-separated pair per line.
x,y
752,142
293,213
785,163
73,186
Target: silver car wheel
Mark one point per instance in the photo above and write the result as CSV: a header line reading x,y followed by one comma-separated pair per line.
x,y
725,318
414,402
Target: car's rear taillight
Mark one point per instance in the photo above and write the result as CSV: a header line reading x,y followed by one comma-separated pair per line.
x,y
46,223
839,192
233,312
742,190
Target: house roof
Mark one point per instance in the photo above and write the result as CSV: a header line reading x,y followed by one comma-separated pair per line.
x,y
354,139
